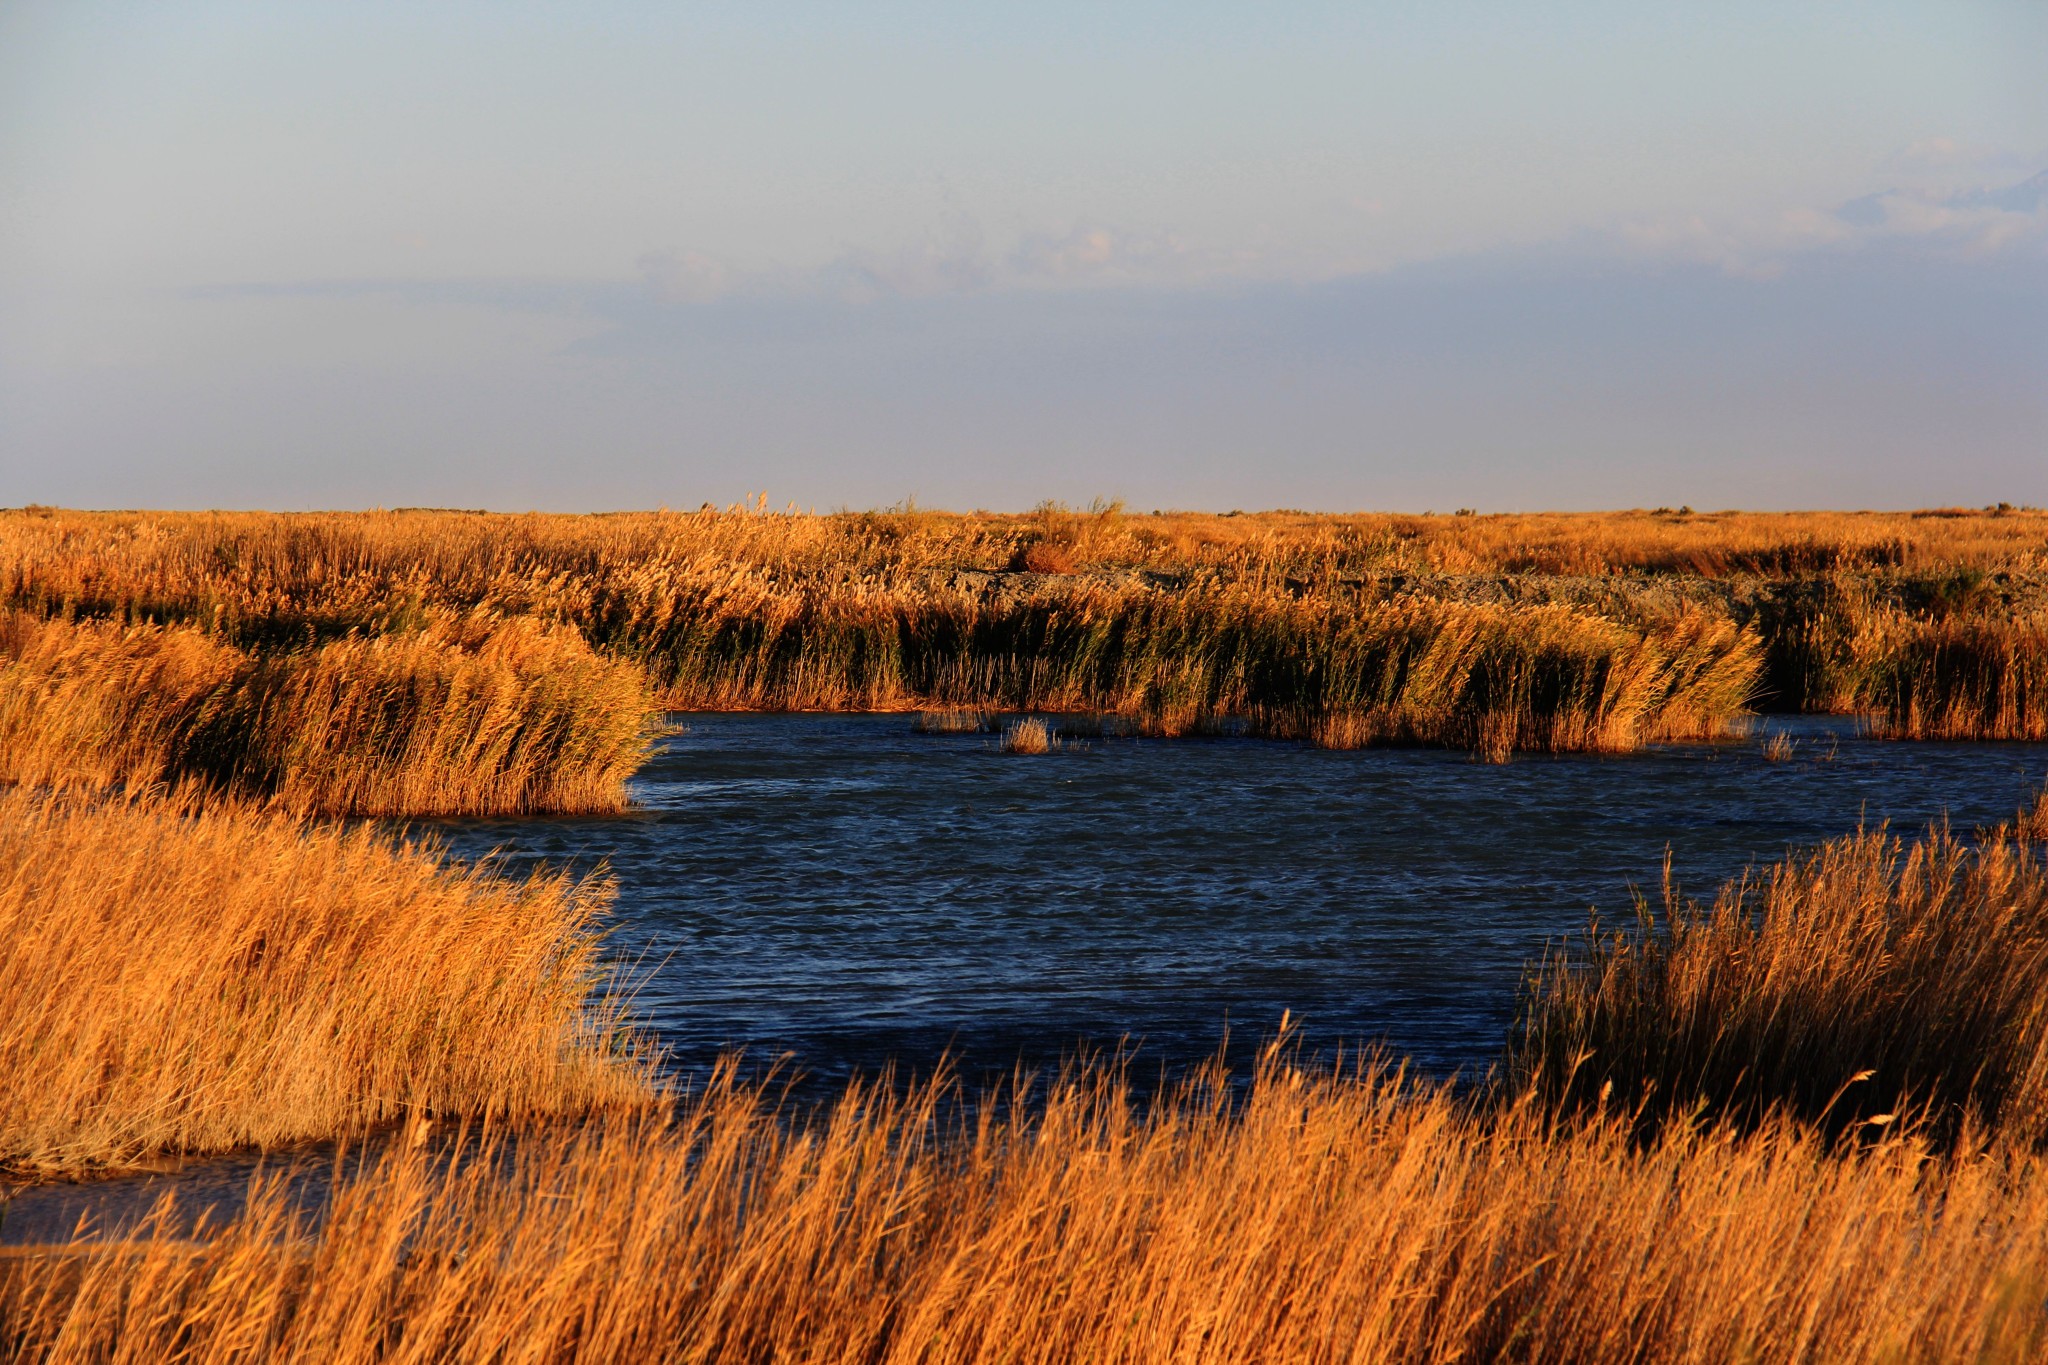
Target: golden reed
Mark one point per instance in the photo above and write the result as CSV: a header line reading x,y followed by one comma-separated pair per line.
x,y
1316,1217
461,716
1870,980
179,978
1175,623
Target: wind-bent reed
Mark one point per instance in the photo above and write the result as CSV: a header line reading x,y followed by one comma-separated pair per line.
x,y
187,978
463,716
100,703
1318,1217
1868,979
1162,620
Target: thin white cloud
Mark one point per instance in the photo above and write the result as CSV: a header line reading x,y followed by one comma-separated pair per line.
x,y
1978,221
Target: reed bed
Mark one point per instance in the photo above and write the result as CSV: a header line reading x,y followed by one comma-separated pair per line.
x,y
1418,672
1970,679
498,716
461,716
890,611
1868,980
1317,1216
182,978
1173,622
347,570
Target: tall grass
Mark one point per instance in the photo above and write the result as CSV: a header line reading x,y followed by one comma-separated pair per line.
x,y
1869,979
1944,656
463,716
346,570
1972,679
102,703
185,979
1319,1217
1161,619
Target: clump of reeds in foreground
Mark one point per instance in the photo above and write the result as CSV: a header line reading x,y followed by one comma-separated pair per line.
x,y
1779,748
2032,820
1868,979
474,715
186,979
1029,736
1315,1216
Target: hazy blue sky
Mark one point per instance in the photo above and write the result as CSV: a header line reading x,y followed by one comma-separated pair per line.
x,y
1422,255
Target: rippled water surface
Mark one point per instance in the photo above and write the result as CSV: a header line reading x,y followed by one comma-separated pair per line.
x,y
840,889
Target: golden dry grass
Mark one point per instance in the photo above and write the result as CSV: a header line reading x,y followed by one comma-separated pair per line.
x,y
1870,977
97,704
239,568
459,718
1175,622
1098,610
1972,679
187,979
462,716
1317,1217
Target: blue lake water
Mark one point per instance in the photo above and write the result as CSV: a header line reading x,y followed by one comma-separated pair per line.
x,y
851,894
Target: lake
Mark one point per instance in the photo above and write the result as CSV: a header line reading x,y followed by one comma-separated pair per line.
x,y
844,891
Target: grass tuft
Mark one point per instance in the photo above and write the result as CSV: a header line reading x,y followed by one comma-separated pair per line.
x,y
1029,736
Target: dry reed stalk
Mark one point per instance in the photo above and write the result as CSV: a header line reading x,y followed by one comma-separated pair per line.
x,y
1778,748
1320,1217
469,716
1870,977
187,979
99,703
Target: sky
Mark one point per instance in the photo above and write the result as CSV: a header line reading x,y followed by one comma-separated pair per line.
x,y
1507,256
